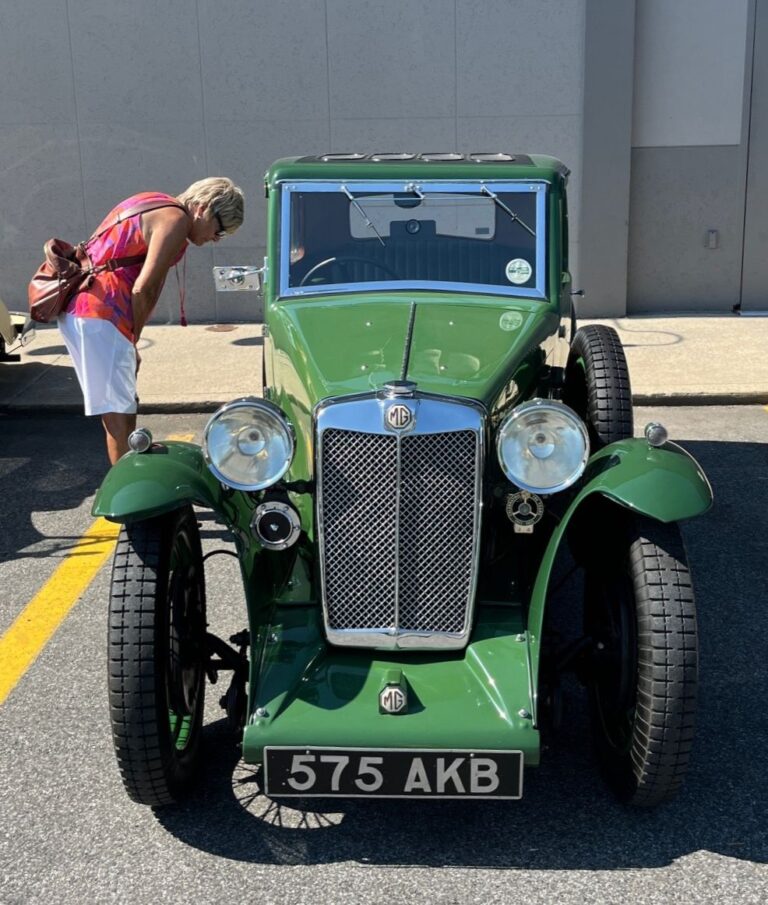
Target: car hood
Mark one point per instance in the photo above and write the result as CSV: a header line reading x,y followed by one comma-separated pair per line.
x,y
470,346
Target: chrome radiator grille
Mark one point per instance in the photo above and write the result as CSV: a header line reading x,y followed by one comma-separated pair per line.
x,y
359,529
399,525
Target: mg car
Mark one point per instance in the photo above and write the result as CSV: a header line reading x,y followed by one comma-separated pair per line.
x,y
435,432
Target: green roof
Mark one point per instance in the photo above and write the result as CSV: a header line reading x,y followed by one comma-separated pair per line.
x,y
439,165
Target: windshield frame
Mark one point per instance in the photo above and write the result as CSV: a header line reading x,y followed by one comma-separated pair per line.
x,y
355,187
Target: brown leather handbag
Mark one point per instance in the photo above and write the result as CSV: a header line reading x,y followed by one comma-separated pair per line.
x,y
68,268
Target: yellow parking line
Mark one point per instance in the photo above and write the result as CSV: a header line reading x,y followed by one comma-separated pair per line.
x,y
35,625
37,622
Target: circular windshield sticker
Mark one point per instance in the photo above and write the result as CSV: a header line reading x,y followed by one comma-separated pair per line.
x,y
518,271
510,321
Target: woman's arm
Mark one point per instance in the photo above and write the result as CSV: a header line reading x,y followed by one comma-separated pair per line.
x,y
165,232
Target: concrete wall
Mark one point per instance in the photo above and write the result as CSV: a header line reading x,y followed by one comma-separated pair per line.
x,y
678,195
690,144
754,288
102,99
689,72
605,175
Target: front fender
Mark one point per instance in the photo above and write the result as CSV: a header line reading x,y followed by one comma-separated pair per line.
x,y
664,483
144,485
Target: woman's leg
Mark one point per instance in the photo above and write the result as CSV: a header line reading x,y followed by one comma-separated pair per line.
x,y
105,363
117,428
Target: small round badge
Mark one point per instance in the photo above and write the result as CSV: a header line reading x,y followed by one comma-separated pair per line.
x,y
518,271
510,321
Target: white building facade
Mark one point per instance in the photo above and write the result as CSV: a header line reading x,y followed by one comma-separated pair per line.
x,y
659,108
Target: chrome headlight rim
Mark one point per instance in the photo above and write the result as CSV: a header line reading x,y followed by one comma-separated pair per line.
x,y
552,405
276,412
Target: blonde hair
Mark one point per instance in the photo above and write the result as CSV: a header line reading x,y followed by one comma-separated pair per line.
x,y
219,194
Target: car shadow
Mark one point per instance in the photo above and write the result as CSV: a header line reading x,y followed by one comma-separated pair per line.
x,y
46,464
566,819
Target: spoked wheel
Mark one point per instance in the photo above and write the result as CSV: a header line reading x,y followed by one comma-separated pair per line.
x,y
597,384
640,615
157,656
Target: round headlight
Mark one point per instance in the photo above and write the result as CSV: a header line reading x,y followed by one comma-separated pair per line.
x,y
542,446
248,444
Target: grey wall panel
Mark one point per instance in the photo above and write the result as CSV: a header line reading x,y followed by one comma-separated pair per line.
x,y
689,72
264,60
754,290
391,59
136,61
40,186
522,57
121,159
238,308
678,194
607,124
414,133
156,95
33,37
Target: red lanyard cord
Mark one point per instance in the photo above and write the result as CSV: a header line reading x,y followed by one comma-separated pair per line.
x,y
182,284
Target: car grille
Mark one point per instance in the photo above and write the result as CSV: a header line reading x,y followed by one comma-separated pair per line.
x,y
399,522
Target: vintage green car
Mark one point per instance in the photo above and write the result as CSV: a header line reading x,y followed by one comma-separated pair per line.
x,y
434,434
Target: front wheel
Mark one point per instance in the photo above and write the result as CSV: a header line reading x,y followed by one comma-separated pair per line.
x,y
597,384
157,656
641,619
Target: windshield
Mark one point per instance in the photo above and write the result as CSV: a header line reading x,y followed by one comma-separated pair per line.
x,y
470,237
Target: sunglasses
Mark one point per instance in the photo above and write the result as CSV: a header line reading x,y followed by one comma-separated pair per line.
x,y
221,232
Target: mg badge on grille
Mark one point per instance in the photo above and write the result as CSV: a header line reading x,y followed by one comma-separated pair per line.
x,y
393,699
399,417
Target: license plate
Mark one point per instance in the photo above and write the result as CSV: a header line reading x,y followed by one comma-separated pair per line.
x,y
392,773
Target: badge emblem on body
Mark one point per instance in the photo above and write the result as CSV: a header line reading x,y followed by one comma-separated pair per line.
x,y
524,510
399,417
393,699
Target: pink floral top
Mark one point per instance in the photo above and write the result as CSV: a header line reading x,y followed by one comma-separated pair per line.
x,y
109,295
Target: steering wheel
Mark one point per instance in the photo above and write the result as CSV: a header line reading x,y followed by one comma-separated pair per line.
x,y
342,261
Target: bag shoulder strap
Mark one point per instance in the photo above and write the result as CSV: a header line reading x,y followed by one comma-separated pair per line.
x,y
141,208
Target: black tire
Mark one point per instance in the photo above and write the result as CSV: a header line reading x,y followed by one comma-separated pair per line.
x,y
640,615
157,656
597,384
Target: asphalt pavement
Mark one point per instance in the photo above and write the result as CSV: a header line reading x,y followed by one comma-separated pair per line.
x,y
672,361
70,835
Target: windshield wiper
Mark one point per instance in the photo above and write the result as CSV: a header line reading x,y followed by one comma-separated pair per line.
x,y
362,213
486,191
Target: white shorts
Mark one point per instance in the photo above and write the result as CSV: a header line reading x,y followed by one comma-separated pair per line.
x,y
105,364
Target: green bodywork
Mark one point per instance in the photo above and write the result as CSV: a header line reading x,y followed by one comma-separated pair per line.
x,y
490,348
